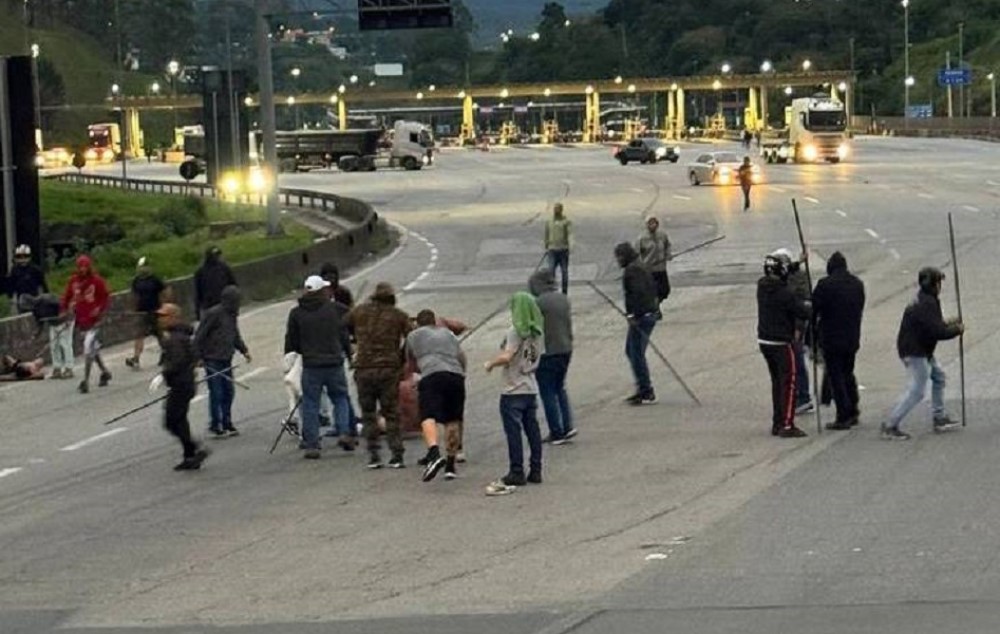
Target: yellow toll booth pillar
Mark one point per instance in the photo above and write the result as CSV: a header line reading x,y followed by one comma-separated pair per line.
x,y
468,120
588,118
342,113
848,103
135,145
681,118
596,133
671,116
763,107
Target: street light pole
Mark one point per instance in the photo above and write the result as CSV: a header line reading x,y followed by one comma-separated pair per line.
x,y
906,61
266,81
993,94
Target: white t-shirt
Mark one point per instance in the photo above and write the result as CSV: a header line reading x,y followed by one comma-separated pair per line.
x,y
519,374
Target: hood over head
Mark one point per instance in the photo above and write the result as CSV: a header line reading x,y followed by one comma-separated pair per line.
x,y
313,301
330,273
230,299
543,281
212,255
526,316
837,262
625,254
84,265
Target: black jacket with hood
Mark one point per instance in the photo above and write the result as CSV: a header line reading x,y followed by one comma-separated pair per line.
x,y
316,331
638,285
555,309
210,279
218,336
922,327
839,302
178,358
777,311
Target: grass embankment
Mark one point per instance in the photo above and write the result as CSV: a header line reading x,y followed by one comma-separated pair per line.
x,y
169,230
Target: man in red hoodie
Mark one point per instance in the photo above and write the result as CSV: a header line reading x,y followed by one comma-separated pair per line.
x,y
87,298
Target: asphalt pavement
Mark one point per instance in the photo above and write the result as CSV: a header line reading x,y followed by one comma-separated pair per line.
x,y
672,517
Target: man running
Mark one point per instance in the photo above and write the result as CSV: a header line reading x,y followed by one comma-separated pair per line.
x,y
147,293
87,297
441,391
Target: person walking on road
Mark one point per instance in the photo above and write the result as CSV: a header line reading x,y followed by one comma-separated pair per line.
x,y
799,283
558,242
745,176
441,391
920,330
654,253
380,330
838,303
642,311
210,279
554,364
520,354
344,301
177,363
217,340
778,309
87,297
147,296
316,331
25,281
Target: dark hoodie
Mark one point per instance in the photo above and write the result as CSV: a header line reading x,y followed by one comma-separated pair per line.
x,y
637,283
556,311
777,310
316,331
218,336
178,358
923,327
839,301
211,278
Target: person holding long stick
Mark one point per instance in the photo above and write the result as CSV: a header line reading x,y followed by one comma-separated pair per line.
x,y
921,328
642,311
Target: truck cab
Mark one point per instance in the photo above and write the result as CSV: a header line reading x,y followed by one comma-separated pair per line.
x,y
104,142
816,130
412,145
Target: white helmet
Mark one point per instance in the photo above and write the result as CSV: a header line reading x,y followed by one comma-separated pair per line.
x,y
22,250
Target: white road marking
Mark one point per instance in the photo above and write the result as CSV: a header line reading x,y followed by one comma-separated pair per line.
x,y
974,210
656,556
895,254
410,286
434,257
780,190
841,213
993,183
638,190
871,233
93,439
681,197
9,471
925,195
814,201
431,265
434,252
883,241
422,276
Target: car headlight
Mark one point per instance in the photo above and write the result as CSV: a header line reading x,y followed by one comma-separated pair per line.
x,y
810,152
677,150
843,151
90,155
230,184
426,160
39,160
256,181
661,151
783,151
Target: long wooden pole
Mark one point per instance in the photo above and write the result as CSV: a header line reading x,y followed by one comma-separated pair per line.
x,y
958,299
812,322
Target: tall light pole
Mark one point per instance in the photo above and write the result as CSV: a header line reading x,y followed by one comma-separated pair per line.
x,y
993,94
961,65
906,59
173,68
296,73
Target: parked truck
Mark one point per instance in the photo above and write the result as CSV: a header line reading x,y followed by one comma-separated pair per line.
x,y
815,130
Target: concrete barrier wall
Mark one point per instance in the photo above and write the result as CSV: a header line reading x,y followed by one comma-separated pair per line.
x,y
260,280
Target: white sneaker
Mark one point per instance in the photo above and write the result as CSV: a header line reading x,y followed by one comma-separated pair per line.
x,y
499,488
805,408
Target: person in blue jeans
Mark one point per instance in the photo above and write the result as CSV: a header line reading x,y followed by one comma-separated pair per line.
x,y
920,330
217,340
316,331
521,351
554,364
558,242
642,309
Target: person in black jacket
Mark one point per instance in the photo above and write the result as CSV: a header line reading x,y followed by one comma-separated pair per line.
x,y
24,282
778,308
316,331
177,363
642,310
839,301
217,340
921,328
210,279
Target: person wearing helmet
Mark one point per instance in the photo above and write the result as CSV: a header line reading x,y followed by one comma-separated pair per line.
x,y
799,283
147,297
778,308
24,282
87,297
921,328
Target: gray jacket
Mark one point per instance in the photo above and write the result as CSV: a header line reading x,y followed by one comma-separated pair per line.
x,y
654,250
556,311
218,336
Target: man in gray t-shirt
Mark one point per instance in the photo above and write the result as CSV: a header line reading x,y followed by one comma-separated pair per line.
x,y
441,392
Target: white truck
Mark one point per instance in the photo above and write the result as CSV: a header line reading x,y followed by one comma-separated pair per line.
x,y
815,130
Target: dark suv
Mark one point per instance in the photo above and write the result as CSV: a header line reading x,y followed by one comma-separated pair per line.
x,y
646,151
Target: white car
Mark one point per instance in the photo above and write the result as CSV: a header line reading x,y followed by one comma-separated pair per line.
x,y
719,168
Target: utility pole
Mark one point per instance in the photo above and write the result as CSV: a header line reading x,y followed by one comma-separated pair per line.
x,y
121,101
961,65
947,65
267,124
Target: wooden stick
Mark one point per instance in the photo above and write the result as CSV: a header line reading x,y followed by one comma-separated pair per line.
x,y
812,323
958,299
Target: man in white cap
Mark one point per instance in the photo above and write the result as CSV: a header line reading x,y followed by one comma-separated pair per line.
x,y
316,331
24,282
147,297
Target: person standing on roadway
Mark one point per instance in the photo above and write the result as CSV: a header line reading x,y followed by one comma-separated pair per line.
x,y
642,312
380,330
24,282
520,354
799,284
211,277
778,309
316,331
558,242
217,340
554,364
441,391
745,176
920,330
654,253
177,363
87,297
838,303
147,292
344,301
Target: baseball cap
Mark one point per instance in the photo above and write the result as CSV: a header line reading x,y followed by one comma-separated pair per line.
x,y
315,283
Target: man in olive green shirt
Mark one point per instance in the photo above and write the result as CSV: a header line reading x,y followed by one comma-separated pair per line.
x,y
558,240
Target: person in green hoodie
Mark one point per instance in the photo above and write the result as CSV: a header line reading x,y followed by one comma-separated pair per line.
x,y
558,241
519,356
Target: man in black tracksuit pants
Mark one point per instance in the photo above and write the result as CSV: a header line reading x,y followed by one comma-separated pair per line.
x,y
839,301
177,368
777,310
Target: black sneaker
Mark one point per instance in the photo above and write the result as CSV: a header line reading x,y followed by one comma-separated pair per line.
x,y
534,477
312,454
432,468
840,425
346,445
943,424
83,388
104,380
374,461
449,469
231,431
635,399
396,462
791,432
648,398
571,434
894,433
132,362
514,480
188,464
217,433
